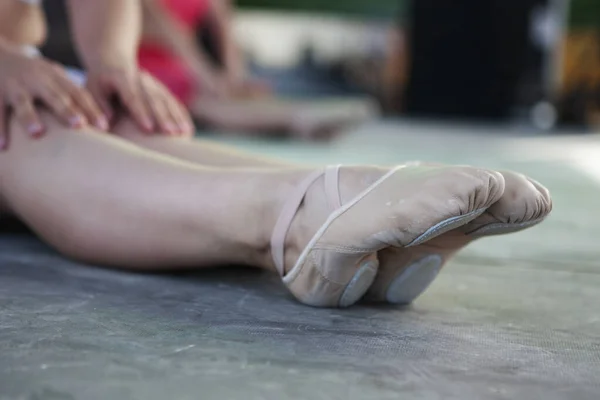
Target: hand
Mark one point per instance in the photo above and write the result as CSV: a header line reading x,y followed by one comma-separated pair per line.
x,y
241,85
23,80
253,88
150,103
212,84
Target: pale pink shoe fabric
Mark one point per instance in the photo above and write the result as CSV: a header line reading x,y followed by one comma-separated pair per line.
x,y
404,274
407,206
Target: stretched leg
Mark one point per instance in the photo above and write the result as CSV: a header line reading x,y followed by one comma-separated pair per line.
x,y
241,116
203,152
403,273
100,199
313,120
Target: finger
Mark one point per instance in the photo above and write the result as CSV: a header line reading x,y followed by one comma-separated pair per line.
x,y
90,108
133,100
173,113
21,102
158,103
178,116
182,118
63,88
83,98
3,127
58,99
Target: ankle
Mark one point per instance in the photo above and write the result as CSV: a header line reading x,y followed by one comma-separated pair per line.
x,y
275,188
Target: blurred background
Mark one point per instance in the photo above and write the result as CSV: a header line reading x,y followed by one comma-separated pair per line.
x,y
532,62
504,84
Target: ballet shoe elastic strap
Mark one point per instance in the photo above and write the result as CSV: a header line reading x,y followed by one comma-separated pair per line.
x,y
332,187
290,208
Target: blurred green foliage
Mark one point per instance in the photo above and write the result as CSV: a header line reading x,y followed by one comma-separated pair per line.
x,y
354,8
583,13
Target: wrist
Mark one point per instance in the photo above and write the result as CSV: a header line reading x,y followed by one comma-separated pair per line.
x,y
112,59
10,51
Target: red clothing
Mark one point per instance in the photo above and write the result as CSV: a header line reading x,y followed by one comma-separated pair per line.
x,y
163,64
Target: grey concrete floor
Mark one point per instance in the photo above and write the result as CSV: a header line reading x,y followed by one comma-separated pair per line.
x,y
513,317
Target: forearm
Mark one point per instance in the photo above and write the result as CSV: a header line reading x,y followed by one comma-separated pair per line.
x,y
222,13
106,31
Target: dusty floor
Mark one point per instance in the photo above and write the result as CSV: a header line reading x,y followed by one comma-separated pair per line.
x,y
515,317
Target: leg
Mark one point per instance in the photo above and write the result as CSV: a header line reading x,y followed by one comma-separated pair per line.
x,y
99,199
202,152
309,120
391,260
241,116
403,273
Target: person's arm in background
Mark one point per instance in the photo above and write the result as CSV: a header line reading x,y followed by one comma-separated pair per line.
x,y
160,26
107,35
106,32
234,64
